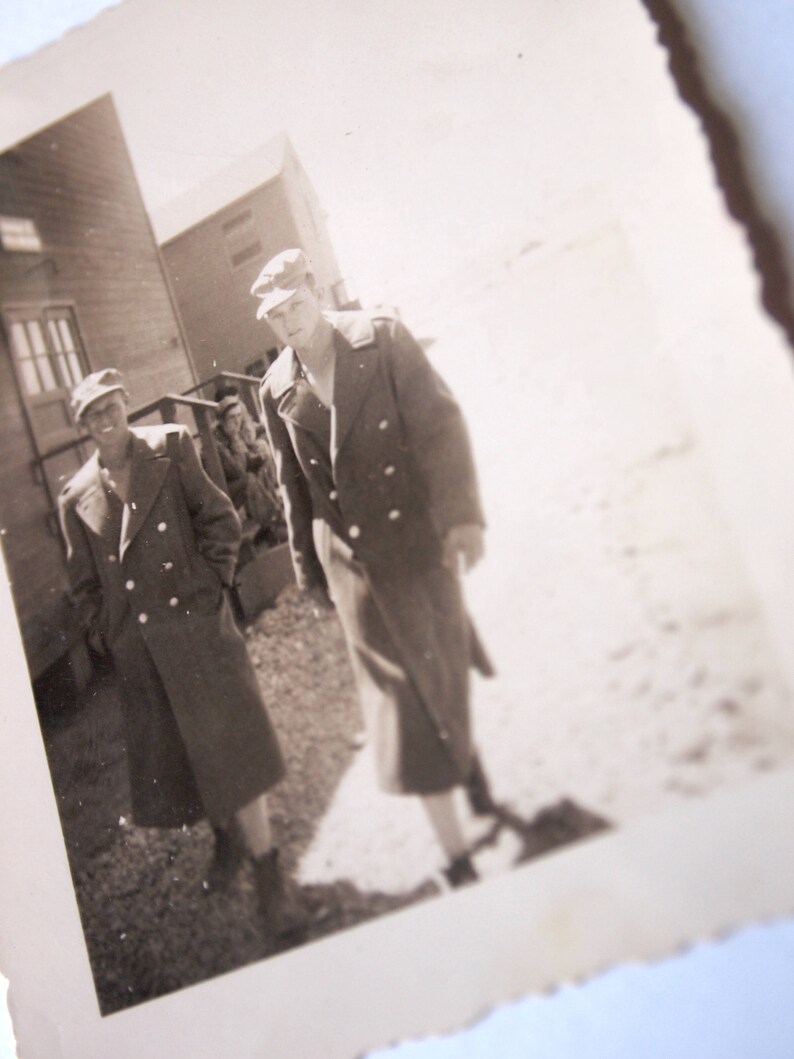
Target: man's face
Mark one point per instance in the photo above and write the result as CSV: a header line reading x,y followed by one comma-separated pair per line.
x,y
233,421
106,419
296,320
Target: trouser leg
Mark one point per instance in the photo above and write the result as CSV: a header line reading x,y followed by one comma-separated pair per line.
x,y
440,809
278,907
248,833
253,821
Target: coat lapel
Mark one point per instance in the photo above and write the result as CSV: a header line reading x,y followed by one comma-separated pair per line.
x,y
353,374
93,506
284,386
148,473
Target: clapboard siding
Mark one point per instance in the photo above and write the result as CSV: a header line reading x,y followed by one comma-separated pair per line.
x,y
34,557
215,304
76,181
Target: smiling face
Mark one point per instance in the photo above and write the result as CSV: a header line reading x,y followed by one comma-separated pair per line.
x,y
106,421
295,322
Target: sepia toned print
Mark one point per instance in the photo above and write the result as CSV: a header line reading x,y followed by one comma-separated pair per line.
x,y
534,603
149,709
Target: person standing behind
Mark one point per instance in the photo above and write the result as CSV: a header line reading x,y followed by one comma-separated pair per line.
x,y
151,546
382,510
245,469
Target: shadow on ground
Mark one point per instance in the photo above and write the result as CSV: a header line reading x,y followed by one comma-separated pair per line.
x,y
150,928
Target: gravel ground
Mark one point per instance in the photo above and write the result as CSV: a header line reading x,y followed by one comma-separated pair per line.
x,y
149,927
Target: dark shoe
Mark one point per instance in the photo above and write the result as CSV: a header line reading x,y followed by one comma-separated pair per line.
x,y
278,911
478,791
226,860
461,871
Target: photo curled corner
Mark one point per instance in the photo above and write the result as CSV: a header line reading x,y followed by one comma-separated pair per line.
x,y
701,83
548,208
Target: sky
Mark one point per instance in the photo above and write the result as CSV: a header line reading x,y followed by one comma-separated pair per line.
x,y
420,124
425,127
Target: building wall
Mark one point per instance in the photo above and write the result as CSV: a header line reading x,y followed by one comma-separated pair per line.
x,y
215,304
309,220
76,182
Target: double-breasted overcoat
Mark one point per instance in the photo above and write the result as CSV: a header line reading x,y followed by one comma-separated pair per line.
x,y
148,580
371,487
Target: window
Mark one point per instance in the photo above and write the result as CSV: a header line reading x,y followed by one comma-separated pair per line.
x,y
49,361
19,234
242,241
64,339
46,351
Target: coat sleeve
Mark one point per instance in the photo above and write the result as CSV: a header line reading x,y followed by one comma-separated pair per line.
x,y
435,432
85,591
216,527
295,494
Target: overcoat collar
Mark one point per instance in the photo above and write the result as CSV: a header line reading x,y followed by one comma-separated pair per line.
x,y
147,475
353,374
92,504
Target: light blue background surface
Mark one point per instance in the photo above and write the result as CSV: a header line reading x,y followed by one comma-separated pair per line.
x,y
733,999
727,1000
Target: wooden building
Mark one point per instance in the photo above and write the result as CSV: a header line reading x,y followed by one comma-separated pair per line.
x,y
82,287
215,240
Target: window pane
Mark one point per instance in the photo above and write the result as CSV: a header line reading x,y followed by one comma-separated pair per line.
x,y
246,254
237,222
77,371
19,341
36,336
29,377
54,336
66,335
65,379
46,372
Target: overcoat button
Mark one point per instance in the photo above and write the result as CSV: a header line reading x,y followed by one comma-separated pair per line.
x,y
111,558
388,470
354,532
143,618
168,566
162,527
333,494
130,585
394,514
383,424
173,601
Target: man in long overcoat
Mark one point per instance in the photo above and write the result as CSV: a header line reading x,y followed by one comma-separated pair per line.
x,y
151,545
382,509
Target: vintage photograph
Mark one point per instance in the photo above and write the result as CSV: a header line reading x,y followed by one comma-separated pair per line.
x,y
370,502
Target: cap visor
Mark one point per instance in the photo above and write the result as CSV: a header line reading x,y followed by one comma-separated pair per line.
x,y
272,300
105,390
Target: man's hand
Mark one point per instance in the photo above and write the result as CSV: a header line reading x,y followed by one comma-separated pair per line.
x,y
463,547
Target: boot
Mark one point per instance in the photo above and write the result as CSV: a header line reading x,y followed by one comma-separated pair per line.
x,y
227,858
478,791
278,910
461,871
